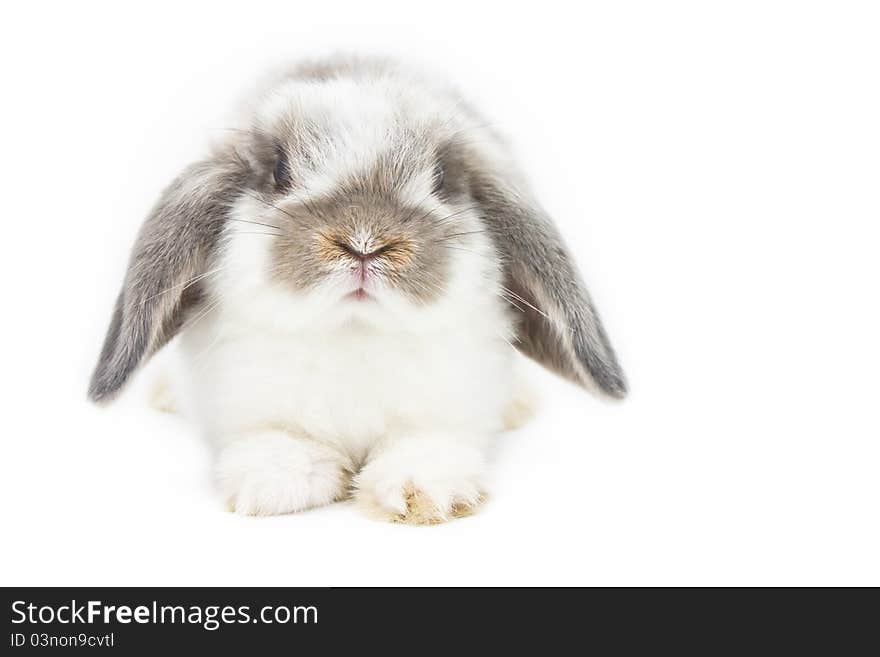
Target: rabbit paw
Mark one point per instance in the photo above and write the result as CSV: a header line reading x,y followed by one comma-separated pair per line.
x,y
422,482
273,472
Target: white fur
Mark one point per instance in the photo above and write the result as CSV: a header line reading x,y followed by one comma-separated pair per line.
x,y
298,389
268,472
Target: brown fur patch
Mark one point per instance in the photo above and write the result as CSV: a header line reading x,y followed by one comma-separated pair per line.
x,y
407,242
420,508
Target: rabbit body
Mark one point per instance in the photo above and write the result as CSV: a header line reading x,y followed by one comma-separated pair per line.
x,y
349,272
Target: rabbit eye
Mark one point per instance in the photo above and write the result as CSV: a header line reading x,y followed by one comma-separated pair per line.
x,y
282,169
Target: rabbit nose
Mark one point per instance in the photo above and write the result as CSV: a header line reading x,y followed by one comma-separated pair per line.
x,y
355,253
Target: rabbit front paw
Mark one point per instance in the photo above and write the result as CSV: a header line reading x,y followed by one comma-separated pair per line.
x,y
423,482
272,472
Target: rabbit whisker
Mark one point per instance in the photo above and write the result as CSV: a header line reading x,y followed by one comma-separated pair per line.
x,y
185,284
307,203
449,217
558,323
522,300
208,309
511,302
256,223
269,204
509,344
457,248
416,207
454,235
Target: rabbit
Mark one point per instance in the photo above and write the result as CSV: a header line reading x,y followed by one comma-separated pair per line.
x,y
349,274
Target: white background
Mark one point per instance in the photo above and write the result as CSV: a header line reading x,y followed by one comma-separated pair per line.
x,y
715,167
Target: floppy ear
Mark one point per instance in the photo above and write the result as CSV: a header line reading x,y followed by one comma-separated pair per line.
x,y
175,245
559,326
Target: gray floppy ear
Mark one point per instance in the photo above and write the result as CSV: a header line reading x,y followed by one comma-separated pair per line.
x,y
559,326
175,245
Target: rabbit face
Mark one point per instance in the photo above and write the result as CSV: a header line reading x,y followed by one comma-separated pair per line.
x,y
357,203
